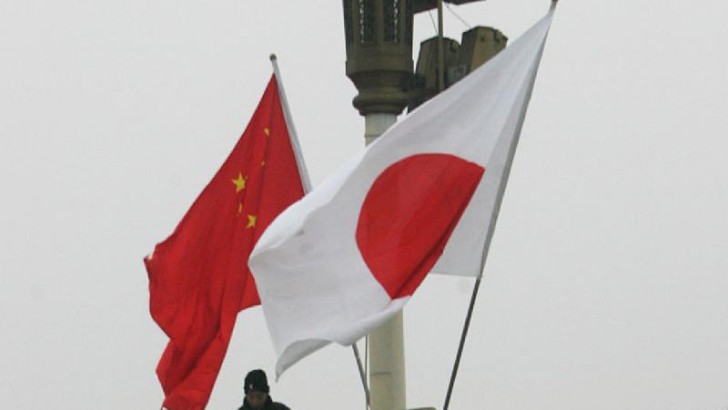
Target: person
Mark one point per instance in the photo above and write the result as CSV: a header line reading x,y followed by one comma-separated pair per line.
x,y
257,391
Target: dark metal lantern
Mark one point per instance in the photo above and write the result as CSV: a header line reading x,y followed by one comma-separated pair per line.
x,y
379,53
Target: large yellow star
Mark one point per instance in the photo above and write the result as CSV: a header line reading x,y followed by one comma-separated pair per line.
x,y
239,183
252,220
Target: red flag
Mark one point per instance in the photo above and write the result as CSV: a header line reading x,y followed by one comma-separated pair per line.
x,y
198,277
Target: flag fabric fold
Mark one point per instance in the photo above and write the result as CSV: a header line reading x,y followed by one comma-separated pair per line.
x,y
422,198
198,277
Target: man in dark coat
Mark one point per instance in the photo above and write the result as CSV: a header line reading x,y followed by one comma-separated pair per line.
x,y
257,395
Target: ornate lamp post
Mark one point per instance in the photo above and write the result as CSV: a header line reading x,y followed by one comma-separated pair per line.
x,y
379,63
379,58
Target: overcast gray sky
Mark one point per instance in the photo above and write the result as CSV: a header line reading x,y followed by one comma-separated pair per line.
x,y
607,279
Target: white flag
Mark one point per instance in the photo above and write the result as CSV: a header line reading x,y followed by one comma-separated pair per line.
x,y
424,197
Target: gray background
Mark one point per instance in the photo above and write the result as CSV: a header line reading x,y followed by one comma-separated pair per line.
x,y
606,283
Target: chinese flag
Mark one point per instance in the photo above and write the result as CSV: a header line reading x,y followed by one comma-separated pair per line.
x,y
198,277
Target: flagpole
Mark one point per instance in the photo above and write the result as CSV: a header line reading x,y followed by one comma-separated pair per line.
x,y
491,228
440,49
291,128
362,374
461,346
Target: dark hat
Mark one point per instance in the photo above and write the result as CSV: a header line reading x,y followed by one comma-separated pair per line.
x,y
256,381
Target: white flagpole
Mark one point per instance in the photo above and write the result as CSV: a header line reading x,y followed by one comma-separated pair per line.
x,y
305,181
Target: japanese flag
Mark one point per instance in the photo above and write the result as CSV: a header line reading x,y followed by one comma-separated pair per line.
x,y
423,198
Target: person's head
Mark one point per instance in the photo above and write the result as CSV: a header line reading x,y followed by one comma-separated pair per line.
x,y
256,389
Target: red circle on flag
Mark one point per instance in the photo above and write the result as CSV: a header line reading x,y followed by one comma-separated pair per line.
x,y
409,214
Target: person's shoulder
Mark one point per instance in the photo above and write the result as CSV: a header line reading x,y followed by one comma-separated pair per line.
x,y
279,406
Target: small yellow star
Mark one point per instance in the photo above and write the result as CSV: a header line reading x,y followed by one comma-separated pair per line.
x,y
266,130
252,220
239,183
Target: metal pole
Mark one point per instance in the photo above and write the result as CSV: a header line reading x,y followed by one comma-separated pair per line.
x,y
440,49
464,335
386,343
362,374
491,226
375,125
386,362
302,170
